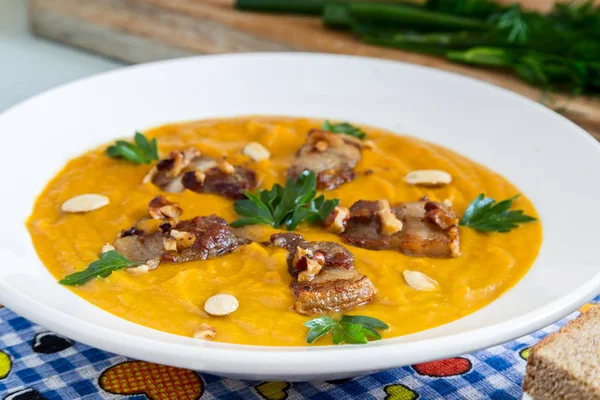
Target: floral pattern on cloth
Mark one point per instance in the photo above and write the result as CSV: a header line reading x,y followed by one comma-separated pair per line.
x,y
36,364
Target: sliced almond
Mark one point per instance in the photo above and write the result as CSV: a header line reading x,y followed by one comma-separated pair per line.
x,y
419,281
256,151
106,248
428,177
139,270
221,304
84,203
206,332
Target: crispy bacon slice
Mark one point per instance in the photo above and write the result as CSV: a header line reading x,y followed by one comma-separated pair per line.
x,y
336,285
200,238
187,169
428,229
331,156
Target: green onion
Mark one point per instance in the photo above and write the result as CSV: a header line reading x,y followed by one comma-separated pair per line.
x,y
314,7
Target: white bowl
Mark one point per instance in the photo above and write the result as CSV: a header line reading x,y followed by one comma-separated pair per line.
x,y
550,159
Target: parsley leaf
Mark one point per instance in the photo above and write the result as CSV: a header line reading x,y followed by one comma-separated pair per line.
x,y
485,215
344,127
512,22
109,261
351,329
289,205
141,151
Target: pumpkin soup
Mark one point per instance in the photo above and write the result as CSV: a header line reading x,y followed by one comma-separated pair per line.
x,y
263,230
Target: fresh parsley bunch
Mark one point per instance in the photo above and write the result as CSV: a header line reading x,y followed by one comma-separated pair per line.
x,y
351,329
287,205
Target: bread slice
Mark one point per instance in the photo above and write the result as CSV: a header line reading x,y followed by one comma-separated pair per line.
x,y
566,364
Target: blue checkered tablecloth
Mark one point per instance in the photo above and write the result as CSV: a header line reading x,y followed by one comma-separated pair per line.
x,y
36,364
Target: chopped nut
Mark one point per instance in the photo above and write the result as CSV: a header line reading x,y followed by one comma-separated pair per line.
x,y
308,264
368,144
170,244
332,139
180,160
184,239
419,281
428,177
161,208
221,304
337,220
153,263
150,175
139,270
204,165
206,332
312,269
256,151
321,146
85,203
389,223
439,216
107,247
227,168
200,177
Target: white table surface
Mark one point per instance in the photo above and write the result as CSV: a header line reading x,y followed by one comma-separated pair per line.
x,y
30,65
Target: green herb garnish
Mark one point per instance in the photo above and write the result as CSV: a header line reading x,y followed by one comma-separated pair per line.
x,y
513,22
287,205
485,215
345,128
141,151
557,50
349,329
109,262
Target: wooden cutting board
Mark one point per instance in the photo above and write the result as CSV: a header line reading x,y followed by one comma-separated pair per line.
x,y
147,30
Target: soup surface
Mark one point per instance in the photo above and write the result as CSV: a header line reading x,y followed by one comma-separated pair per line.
x,y
171,297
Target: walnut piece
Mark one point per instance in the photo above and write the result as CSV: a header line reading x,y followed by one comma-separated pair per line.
x,y
161,208
308,263
389,223
205,332
183,239
337,220
107,247
139,270
227,168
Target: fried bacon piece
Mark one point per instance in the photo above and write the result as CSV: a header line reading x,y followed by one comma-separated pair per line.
x,y
187,169
427,228
332,285
200,238
331,156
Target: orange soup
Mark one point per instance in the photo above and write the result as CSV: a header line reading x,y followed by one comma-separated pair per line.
x,y
171,297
